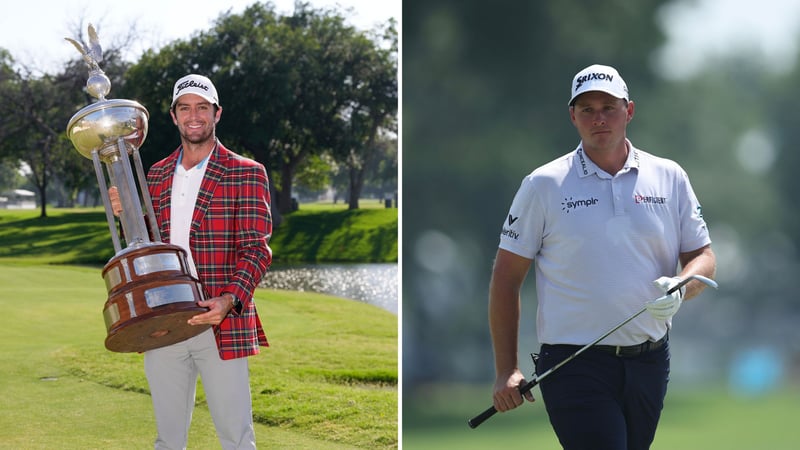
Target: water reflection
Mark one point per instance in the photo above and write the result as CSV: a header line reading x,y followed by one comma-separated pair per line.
x,y
375,284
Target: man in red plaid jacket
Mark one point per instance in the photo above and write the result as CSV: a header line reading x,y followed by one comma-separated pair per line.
x,y
216,205
230,260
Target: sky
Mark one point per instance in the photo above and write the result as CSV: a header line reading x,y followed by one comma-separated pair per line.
x,y
33,31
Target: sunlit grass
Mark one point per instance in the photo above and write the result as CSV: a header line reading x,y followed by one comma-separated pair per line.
x,y
318,232
326,382
79,236
364,203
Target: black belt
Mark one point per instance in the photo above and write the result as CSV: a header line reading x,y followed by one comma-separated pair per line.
x,y
633,350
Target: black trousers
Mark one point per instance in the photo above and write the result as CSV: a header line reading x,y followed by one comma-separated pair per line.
x,y
599,401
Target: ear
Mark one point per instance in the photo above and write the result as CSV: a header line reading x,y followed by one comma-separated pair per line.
x,y
172,114
631,110
218,114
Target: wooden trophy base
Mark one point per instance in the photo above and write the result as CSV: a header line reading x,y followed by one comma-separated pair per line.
x,y
166,325
152,295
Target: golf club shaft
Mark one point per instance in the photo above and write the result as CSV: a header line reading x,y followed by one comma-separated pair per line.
x,y
489,412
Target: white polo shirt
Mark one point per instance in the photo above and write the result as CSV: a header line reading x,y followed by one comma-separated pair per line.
x,y
598,242
185,187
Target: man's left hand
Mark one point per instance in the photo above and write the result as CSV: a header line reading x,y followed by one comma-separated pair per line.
x,y
218,308
665,307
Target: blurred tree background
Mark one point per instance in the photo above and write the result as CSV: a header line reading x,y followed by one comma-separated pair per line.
x,y
485,91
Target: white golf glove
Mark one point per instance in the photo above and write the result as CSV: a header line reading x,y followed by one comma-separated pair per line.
x,y
665,307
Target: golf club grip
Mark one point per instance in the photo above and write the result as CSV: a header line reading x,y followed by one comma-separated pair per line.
x,y
686,280
490,411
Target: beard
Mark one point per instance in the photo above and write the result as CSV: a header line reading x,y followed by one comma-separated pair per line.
x,y
197,137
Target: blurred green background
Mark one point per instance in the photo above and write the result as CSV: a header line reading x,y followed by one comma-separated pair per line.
x,y
484,93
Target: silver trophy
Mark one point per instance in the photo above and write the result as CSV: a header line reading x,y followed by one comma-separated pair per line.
x,y
151,291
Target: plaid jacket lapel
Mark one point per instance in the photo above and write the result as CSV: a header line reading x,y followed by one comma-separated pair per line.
x,y
214,173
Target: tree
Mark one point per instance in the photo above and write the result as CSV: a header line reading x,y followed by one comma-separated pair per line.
x,y
37,109
307,66
33,131
384,168
10,177
371,109
283,83
314,174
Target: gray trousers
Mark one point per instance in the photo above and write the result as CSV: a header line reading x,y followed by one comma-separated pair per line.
x,y
172,375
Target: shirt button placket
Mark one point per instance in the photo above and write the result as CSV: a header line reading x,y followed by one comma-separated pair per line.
x,y
619,206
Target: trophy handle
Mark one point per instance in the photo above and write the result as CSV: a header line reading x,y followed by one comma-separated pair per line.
x,y
148,201
132,216
101,180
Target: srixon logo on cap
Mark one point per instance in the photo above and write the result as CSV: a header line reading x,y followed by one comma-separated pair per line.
x,y
593,76
191,83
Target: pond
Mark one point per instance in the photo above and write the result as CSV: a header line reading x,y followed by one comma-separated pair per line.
x,y
375,284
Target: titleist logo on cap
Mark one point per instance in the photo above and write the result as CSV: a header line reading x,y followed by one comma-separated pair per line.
x,y
188,84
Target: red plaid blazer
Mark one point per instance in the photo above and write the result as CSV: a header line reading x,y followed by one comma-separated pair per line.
x,y
230,228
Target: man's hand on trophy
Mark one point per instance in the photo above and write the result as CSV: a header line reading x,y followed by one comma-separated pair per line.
x,y
218,308
116,205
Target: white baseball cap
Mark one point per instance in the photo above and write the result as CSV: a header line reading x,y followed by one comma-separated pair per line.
x,y
599,78
195,84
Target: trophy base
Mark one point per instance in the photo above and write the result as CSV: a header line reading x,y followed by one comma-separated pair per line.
x,y
166,325
151,296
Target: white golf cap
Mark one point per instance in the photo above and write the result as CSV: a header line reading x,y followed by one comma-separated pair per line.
x,y
195,84
599,78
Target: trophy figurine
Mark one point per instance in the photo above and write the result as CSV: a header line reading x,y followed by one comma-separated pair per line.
x,y
151,290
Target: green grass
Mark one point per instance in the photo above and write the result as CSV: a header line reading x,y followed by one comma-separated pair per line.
x,y
326,382
435,417
77,236
370,203
318,232
331,233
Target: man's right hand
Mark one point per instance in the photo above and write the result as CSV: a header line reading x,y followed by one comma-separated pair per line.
x,y
506,391
116,205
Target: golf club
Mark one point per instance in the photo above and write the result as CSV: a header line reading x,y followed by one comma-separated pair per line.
x,y
482,417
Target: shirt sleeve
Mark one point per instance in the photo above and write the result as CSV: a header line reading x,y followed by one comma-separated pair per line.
x,y
523,227
694,231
